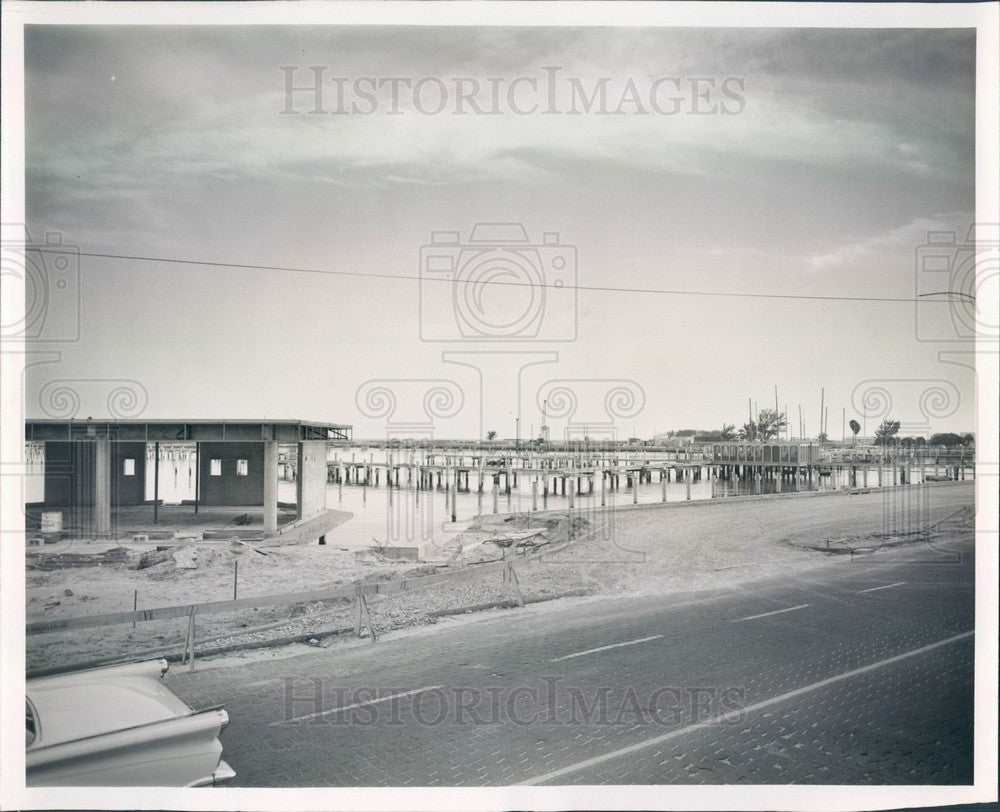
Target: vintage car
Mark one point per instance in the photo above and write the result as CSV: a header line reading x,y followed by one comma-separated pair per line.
x,y
119,726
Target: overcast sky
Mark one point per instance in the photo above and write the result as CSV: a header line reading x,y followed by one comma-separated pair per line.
x,y
838,152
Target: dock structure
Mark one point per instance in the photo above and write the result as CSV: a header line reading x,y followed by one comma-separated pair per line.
x,y
746,467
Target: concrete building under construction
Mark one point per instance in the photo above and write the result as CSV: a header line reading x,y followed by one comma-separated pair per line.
x,y
96,470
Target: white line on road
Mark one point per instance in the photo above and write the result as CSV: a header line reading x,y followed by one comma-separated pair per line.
x,y
356,705
877,588
734,716
605,648
768,614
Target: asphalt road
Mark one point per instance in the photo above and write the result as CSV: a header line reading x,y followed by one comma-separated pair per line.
x,y
858,672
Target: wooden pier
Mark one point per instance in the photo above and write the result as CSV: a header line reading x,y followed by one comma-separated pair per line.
x,y
747,468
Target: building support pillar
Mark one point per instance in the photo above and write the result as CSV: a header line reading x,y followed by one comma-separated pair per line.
x,y
270,487
102,488
156,482
197,476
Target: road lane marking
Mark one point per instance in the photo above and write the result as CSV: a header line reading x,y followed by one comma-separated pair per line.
x,y
768,614
605,648
734,716
877,588
356,705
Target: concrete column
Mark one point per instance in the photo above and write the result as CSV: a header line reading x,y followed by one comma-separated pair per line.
x,y
270,487
102,488
454,497
663,486
299,464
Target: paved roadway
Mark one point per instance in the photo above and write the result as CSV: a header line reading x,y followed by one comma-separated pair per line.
x,y
859,672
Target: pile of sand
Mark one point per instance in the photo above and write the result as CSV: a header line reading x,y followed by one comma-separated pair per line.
x,y
178,561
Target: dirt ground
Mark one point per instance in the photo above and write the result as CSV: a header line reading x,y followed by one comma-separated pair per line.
x,y
643,550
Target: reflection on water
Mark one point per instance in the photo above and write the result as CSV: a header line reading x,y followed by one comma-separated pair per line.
x,y
405,517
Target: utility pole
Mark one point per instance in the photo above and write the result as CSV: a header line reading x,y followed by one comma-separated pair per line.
x,y
822,400
777,424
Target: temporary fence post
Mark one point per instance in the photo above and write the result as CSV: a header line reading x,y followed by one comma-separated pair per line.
x,y
191,639
367,616
512,579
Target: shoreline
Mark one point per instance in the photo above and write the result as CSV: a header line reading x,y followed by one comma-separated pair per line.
x,y
634,553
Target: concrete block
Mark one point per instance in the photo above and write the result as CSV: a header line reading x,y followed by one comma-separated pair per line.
x,y
411,553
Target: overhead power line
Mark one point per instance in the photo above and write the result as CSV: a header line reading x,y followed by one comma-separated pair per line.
x,y
417,278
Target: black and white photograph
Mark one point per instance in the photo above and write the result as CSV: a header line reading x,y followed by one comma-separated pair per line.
x,y
499,405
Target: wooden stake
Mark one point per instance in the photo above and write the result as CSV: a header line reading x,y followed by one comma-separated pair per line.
x,y
512,579
367,616
190,637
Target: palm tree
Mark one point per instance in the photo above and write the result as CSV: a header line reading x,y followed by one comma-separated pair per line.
x,y
885,434
728,432
770,424
855,427
491,435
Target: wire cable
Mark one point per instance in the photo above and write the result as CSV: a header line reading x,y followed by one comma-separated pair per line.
x,y
413,278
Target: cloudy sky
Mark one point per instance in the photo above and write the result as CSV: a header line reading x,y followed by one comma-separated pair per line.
x,y
833,157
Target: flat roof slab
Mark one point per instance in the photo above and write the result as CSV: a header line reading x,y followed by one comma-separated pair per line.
x,y
214,431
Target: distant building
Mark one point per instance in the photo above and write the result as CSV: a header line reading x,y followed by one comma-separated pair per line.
x,y
765,453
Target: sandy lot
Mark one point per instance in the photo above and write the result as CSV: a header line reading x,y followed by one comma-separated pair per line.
x,y
650,549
